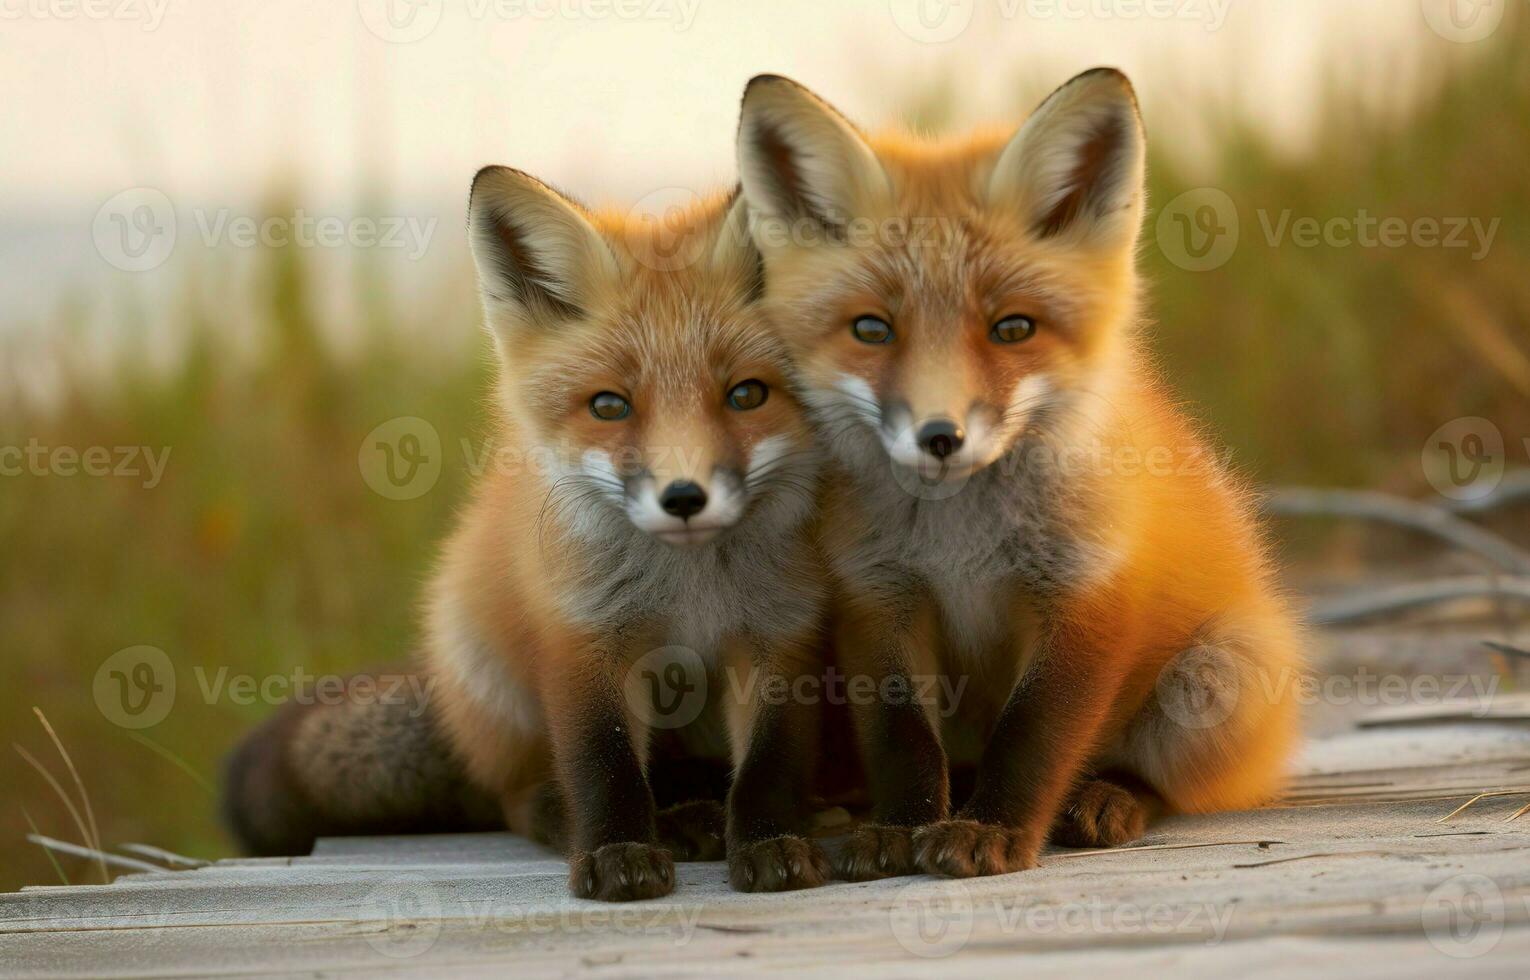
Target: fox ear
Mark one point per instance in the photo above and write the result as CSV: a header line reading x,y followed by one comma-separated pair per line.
x,y
1076,168
799,159
734,252
538,256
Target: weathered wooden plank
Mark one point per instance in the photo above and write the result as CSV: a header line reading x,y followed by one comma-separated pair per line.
x,y
1277,887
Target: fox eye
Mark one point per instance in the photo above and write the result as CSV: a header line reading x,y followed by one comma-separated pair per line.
x,y
872,330
608,406
1012,330
748,394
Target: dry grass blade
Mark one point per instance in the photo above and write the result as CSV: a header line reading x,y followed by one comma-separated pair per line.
x,y
163,856
175,761
1480,330
1482,796
57,868
94,838
1517,813
1160,847
74,813
116,860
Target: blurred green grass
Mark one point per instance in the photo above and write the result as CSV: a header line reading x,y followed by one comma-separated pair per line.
x,y
263,547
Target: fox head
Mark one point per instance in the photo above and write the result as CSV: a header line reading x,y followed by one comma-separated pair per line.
x,y
634,358
947,296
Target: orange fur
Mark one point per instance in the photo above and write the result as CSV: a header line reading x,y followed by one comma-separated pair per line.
x,y
567,570
1163,590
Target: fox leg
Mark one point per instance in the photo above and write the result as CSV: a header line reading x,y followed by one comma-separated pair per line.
x,y
774,732
691,831
1043,738
598,748
905,763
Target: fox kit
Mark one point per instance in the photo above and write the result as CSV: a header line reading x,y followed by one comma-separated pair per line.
x,y
1014,499
648,511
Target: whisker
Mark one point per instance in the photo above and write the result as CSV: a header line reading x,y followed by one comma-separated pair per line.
x,y
560,504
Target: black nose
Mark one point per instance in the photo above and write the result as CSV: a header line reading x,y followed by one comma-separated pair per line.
x,y
683,499
941,437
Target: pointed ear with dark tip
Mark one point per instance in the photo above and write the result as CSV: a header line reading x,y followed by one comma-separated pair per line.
x,y
799,159
539,259
1075,170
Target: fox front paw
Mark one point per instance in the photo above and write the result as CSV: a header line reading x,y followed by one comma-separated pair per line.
x,y
968,849
622,872
694,831
876,851
780,864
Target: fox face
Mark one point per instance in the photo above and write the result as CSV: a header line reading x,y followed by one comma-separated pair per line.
x,y
947,297
652,389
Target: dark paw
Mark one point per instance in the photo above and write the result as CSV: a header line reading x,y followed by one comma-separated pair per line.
x,y
1102,814
876,851
780,864
694,831
968,849
621,872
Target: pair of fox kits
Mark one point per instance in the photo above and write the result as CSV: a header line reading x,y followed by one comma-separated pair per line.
x,y
893,406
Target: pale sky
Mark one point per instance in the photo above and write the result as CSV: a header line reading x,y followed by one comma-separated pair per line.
x,y
213,101
214,97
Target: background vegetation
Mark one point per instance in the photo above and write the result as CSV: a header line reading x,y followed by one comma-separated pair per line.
x,y
263,547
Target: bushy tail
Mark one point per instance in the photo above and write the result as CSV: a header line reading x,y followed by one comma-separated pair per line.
x,y
368,761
